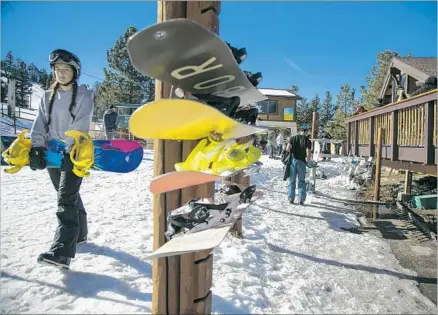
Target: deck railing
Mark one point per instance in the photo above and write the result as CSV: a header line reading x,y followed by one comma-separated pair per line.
x,y
409,130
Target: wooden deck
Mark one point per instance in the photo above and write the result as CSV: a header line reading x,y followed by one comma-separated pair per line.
x,y
409,133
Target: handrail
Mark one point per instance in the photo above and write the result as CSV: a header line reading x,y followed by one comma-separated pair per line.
x,y
416,100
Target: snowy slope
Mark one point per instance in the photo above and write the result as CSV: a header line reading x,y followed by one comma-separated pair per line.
x,y
293,259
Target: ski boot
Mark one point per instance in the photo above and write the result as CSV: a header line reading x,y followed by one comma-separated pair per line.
x,y
17,155
82,152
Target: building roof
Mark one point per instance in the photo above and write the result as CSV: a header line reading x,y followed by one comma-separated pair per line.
x,y
420,68
427,65
279,93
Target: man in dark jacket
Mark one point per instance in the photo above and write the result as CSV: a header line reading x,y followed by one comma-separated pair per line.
x,y
110,122
299,149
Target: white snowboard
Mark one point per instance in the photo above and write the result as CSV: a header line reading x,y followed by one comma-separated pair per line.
x,y
193,242
204,239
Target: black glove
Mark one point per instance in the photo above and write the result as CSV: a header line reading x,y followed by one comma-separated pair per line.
x,y
67,164
37,158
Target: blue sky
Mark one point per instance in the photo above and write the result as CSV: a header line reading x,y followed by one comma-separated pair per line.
x,y
316,45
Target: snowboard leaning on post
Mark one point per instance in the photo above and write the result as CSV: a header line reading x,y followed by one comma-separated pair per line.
x,y
184,54
118,156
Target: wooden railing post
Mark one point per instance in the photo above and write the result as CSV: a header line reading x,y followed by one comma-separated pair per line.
x,y
181,284
372,148
378,169
356,138
348,138
429,150
394,136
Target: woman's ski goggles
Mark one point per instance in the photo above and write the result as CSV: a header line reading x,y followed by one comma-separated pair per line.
x,y
64,55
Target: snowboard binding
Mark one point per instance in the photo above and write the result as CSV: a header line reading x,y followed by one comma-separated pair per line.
x,y
82,152
218,157
17,155
193,214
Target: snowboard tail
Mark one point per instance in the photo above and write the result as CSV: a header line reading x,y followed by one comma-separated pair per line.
x,y
183,179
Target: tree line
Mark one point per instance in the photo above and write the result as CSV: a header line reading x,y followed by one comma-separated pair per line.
x,y
24,75
332,112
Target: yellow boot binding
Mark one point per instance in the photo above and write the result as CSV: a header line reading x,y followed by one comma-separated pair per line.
x,y
82,152
17,155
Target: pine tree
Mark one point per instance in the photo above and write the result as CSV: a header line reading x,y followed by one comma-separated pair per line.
x,y
315,104
345,99
377,78
337,127
23,85
33,73
123,84
9,66
327,110
304,112
294,89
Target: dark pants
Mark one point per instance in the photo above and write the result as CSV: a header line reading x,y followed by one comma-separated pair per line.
x,y
72,218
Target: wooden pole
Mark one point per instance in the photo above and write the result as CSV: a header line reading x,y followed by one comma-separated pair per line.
x,y
314,125
408,182
181,284
378,169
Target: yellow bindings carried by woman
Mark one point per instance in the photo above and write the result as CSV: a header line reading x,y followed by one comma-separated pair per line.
x,y
17,155
81,153
215,158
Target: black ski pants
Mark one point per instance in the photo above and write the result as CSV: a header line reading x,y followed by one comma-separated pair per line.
x,y
72,218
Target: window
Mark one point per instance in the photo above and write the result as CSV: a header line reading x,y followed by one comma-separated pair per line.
x,y
267,107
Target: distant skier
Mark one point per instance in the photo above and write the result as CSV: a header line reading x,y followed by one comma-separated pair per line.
x,y
299,150
110,118
65,106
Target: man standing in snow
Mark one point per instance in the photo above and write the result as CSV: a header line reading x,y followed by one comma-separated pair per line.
x,y
298,147
110,122
280,141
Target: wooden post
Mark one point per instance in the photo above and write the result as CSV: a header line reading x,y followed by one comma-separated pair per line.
x,y
394,136
314,125
378,169
371,146
429,150
356,138
408,182
181,284
314,129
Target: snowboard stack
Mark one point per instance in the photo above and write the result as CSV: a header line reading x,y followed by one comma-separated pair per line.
x,y
202,122
215,107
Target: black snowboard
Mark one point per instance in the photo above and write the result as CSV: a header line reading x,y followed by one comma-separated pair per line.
x,y
185,54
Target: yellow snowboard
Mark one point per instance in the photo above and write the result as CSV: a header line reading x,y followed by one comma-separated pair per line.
x,y
175,119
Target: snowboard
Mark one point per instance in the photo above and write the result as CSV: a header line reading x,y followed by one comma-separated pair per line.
x,y
183,53
176,119
210,230
118,156
183,179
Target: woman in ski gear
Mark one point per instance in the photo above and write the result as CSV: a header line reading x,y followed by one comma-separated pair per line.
x,y
65,106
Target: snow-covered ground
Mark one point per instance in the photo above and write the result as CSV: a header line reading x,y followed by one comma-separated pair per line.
x,y
292,259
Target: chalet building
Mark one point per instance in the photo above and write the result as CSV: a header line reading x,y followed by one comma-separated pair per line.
x,y
406,75
406,118
279,110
